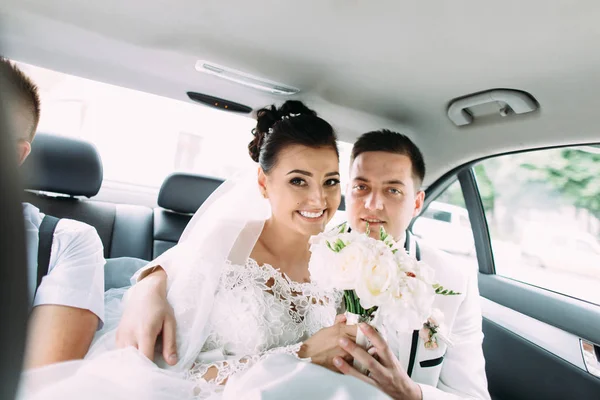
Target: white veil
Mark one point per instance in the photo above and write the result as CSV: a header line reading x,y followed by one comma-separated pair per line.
x,y
224,230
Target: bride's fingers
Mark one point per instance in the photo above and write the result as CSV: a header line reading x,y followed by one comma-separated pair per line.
x,y
340,318
350,331
169,342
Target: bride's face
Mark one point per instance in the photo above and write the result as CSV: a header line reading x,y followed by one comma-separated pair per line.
x,y
303,188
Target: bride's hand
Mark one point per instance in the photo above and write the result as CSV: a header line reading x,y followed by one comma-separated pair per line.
x,y
323,346
147,313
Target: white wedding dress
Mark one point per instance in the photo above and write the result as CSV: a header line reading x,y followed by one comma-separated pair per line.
x,y
244,321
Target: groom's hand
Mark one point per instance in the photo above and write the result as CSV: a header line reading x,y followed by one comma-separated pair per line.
x,y
385,371
147,314
324,346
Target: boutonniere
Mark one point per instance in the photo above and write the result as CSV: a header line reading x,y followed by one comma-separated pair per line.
x,y
434,330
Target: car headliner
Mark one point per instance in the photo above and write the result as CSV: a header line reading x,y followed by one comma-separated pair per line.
x,y
361,65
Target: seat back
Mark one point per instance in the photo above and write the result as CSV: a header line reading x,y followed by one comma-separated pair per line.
x,y
179,198
63,171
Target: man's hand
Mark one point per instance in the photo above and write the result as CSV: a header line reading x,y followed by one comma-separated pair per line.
x,y
147,313
324,346
385,371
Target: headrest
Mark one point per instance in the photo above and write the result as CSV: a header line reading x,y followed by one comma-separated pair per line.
x,y
63,165
185,193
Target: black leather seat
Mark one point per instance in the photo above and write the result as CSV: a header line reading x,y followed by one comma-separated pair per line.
x,y
71,169
179,198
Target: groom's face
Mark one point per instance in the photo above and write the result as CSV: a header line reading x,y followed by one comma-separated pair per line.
x,y
383,193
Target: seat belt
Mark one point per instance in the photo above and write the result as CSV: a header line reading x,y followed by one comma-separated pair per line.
x,y
45,235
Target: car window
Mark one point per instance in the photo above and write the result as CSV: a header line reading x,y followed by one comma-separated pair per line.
x,y
464,221
536,203
143,137
442,216
584,247
434,229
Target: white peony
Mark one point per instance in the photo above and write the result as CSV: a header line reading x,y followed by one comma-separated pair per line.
x,y
347,265
335,270
377,275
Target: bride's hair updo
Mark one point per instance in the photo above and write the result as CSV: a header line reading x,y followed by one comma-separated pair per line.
x,y
292,123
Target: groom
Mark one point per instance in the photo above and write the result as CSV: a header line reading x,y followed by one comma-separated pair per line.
x,y
386,173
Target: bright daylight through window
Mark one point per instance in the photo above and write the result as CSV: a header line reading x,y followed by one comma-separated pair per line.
x,y
543,214
143,137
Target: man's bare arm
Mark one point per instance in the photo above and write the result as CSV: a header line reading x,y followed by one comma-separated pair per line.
x,y
58,333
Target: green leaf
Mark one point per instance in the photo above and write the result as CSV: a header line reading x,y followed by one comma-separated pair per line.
x,y
340,244
343,228
368,231
329,245
382,234
439,289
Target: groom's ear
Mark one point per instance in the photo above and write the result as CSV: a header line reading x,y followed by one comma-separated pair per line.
x,y
262,182
419,201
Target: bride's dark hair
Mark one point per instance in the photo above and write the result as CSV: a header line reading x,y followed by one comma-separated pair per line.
x,y
292,123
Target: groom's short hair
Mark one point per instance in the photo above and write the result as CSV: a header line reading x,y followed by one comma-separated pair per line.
x,y
392,142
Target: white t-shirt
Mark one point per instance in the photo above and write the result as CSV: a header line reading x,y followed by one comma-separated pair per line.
x,y
76,271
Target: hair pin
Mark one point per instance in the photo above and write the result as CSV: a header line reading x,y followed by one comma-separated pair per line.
x,y
291,115
270,131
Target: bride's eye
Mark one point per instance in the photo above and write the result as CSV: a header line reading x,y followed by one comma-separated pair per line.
x,y
332,182
298,182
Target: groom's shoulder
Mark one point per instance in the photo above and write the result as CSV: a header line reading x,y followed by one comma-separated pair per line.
x,y
448,267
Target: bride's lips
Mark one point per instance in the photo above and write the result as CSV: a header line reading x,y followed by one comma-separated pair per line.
x,y
312,215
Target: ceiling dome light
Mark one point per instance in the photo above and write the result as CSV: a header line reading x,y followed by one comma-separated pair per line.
x,y
245,79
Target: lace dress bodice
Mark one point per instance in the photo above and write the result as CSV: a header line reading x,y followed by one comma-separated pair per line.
x,y
259,311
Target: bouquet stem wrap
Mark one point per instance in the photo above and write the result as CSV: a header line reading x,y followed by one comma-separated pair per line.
x,y
361,339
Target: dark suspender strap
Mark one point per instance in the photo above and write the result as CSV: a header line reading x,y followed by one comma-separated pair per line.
x,y
410,240
415,337
46,234
413,353
417,251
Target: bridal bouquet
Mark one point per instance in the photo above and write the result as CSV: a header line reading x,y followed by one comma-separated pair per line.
x,y
380,280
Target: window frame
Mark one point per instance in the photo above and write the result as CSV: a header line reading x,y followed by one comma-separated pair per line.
x,y
465,175
574,315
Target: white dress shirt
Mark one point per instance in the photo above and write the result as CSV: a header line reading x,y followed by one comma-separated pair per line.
x,y
76,271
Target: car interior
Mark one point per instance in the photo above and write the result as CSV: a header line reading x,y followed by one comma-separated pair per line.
x,y
501,99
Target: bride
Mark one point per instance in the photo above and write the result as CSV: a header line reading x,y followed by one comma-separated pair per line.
x,y
238,284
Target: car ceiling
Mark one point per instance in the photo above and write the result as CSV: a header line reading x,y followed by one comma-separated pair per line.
x,y
361,65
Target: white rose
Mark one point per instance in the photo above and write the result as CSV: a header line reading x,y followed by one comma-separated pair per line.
x,y
335,270
318,266
376,276
425,272
401,317
347,264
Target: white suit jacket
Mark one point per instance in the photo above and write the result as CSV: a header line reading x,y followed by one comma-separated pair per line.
x,y
456,372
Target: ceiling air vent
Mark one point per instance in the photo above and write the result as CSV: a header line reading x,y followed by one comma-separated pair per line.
x,y
508,102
